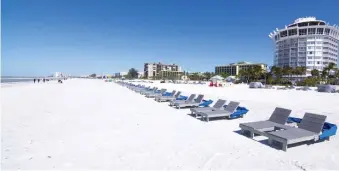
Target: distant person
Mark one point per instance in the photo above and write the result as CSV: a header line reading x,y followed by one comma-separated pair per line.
x,y
34,80
44,80
38,80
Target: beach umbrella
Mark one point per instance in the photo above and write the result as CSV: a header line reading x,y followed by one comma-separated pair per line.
x,y
216,78
230,78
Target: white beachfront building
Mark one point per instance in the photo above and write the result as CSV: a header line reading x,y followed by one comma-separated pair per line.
x,y
307,42
58,74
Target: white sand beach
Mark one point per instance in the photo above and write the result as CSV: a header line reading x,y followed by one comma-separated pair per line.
x,y
93,125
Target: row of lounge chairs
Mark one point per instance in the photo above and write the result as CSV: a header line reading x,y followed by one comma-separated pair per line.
x,y
311,128
194,102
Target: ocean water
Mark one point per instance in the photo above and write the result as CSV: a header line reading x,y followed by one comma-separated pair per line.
x,y
15,79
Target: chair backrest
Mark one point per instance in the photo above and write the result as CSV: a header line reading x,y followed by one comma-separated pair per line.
x,y
199,98
219,104
162,91
173,92
312,122
232,106
280,115
191,97
178,94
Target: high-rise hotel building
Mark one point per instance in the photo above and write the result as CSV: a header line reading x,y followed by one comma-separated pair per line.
x,y
307,42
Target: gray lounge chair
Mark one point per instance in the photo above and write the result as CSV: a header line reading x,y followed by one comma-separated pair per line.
x,y
154,94
138,90
149,91
161,95
277,119
228,110
308,130
193,103
167,98
217,106
189,99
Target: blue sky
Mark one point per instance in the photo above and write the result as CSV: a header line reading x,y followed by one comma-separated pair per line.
x,y
40,37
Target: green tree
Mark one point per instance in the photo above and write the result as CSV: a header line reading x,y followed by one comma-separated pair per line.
x,y
224,74
244,75
256,72
132,73
207,75
194,76
303,70
277,72
315,73
93,75
287,71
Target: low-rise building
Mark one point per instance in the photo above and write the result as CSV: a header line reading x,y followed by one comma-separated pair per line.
x,y
120,74
159,70
169,75
234,68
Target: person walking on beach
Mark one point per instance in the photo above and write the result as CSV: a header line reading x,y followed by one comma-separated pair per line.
x,y
38,80
44,80
34,80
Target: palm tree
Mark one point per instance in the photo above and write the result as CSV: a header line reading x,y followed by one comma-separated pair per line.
x,y
287,71
303,70
224,75
315,73
277,72
207,75
244,74
297,71
257,72
331,66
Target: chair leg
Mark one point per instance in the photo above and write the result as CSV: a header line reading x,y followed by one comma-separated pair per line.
x,y
270,141
251,134
284,146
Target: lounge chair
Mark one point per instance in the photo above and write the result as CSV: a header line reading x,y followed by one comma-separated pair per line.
x,y
141,89
156,93
217,106
190,99
167,98
165,94
278,118
193,103
308,130
228,110
153,90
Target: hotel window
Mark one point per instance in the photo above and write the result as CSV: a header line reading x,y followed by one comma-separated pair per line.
x,y
327,31
302,32
311,31
320,31
309,57
292,32
319,43
318,47
283,33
